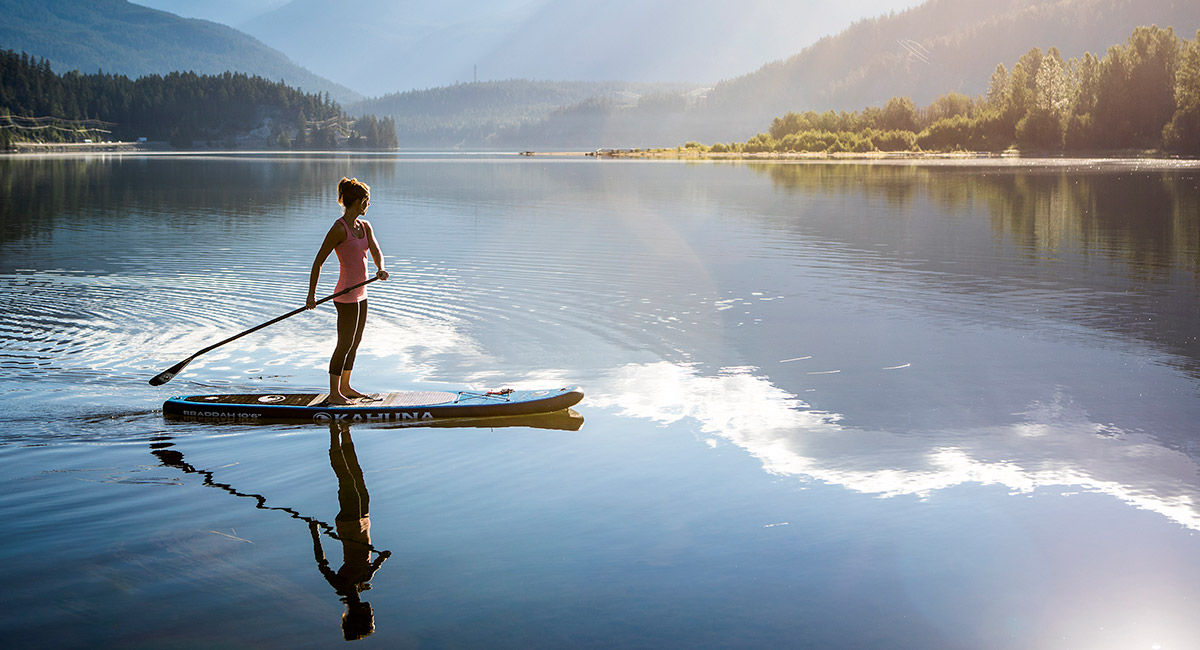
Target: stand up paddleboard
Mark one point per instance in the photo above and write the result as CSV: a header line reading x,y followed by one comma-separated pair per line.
x,y
407,407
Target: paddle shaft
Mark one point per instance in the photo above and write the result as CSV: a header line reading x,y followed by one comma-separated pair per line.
x,y
170,373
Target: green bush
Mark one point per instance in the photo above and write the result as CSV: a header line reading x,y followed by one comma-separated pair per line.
x,y
992,131
895,140
760,143
1040,130
1080,135
859,143
946,134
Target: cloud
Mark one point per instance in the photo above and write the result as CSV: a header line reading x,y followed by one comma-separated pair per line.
x,y
1055,445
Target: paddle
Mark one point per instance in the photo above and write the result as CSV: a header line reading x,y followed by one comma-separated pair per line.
x,y
169,373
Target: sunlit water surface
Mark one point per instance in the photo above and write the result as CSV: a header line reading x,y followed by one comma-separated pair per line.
x,y
828,405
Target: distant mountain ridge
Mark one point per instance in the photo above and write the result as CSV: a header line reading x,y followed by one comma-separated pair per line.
x,y
382,46
120,37
226,12
451,115
937,47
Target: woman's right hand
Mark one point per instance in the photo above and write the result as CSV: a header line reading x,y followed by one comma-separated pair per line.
x,y
311,303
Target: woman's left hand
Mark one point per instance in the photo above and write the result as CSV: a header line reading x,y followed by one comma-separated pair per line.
x,y
381,274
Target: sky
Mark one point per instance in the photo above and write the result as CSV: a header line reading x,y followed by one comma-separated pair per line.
x,y
827,17
411,44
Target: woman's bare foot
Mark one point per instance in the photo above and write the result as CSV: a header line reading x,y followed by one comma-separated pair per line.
x,y
337,399
342,386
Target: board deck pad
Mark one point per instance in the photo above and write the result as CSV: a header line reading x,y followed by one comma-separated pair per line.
x,y
410,398
400,399
397,406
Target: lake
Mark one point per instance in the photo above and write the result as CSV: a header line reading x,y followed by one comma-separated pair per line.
x,y
915,404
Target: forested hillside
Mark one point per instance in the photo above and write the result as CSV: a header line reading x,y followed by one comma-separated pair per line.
x,y
124,38
938,47
38,104
921,54
1143,94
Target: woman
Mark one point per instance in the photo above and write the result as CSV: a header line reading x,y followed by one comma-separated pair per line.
x,y
351,238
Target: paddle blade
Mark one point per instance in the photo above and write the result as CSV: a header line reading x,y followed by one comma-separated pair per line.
x,y
168,374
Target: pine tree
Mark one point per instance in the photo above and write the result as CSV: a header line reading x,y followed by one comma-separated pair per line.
x,y
999,89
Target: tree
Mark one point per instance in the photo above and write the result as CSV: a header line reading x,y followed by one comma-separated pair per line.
x,y
1183,132
387,133
1031,62
1043,124
947,106
1087,79
1135,94
5,134
1052,91
301,139
1019,96
1153,79
323,137
1080,133
181,138
992,131
946,134
999,91
788,124
899,114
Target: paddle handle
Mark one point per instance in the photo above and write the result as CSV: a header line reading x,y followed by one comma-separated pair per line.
x,y
279,318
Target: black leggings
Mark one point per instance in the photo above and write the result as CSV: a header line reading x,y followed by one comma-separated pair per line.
x,y
351,319
352,490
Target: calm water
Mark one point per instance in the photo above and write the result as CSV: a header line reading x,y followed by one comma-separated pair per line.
x,y
828,405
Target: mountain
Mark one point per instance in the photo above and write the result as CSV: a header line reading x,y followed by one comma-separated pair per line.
x,y
383,46
120,37
471,114
226,12
938,47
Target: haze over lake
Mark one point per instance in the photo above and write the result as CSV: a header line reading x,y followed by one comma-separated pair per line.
x,y
901,404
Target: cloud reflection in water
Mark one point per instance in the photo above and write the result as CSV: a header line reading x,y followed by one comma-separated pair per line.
x,y
1055,444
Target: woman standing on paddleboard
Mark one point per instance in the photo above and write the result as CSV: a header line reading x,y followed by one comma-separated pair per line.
x,y
351,237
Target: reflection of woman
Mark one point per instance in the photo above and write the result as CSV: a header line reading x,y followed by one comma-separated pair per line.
x,y
351,238
353,526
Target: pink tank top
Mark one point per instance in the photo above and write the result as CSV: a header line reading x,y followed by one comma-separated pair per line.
x,y
352,257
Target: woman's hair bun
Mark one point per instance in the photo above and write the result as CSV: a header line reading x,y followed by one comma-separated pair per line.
x,y
350,190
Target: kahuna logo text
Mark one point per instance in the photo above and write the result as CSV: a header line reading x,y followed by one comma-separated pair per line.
x,y
325,416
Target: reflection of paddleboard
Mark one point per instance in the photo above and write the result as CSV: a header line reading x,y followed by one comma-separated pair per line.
x,y
564,420
406,408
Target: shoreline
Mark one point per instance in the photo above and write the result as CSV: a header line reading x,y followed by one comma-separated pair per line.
x,y
1138,159
74,147
156,147
693,154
